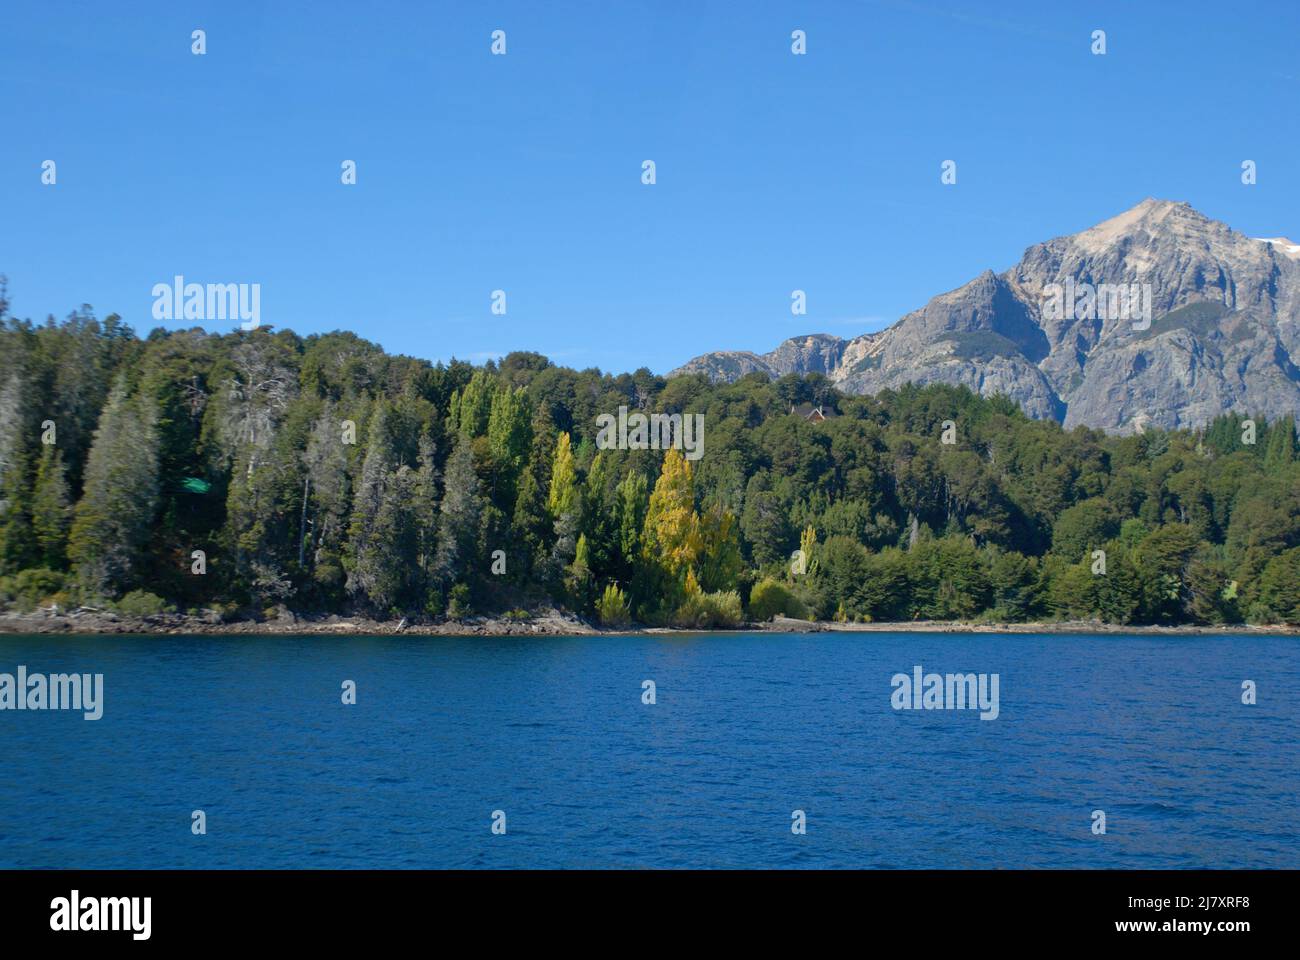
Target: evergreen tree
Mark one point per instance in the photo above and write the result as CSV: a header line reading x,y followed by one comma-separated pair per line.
x,y
235,444
631,504
323,518
766,523
113,522
1279,589
260,530
377,569
17,542
528,525
457,557
600,524
509,434
51,509
720,561
1281,449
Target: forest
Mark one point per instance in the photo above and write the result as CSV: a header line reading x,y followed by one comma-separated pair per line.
x,y
247,473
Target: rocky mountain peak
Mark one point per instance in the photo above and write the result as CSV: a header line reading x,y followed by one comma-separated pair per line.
x,y
1288,248
1214,328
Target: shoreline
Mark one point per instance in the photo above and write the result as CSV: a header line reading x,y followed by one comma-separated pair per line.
x,y
551,623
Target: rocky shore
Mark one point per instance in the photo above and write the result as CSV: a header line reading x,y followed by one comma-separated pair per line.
x,y
84,621
550,623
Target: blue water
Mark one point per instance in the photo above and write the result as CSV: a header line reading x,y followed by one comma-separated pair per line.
x,y
746,729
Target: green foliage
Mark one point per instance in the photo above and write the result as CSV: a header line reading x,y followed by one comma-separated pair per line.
x,y
671,538
612,608
1279,589
720,562
703,611
510,435
1204,318
324,474
563,497
1013,584
114,519
771,598
948,580
1083,528
1161,561
458,554
766,524
391,535
838,577
31,588
458,601
51,508
981,345
141,603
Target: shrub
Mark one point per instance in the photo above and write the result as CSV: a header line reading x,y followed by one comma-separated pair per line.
x,y
141,603
1279,590
28,589
458,601
703,610
612,609
772,597
329,574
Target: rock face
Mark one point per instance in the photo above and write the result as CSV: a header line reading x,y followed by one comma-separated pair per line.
x,y
1188,320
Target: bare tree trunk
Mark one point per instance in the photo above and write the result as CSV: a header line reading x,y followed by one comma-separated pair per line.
x,y
302,525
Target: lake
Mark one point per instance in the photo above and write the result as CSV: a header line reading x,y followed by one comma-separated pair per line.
x,y
744,730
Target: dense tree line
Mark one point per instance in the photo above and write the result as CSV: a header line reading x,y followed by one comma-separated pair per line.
x,y
257,470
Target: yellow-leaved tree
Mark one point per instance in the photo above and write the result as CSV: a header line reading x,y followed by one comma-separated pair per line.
x,y
563,497
671,536
670,539
808,540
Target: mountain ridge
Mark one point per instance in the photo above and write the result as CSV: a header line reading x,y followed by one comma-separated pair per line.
x,y
1219,333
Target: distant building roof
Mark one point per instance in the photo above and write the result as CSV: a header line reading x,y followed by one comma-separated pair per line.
x,y
815,413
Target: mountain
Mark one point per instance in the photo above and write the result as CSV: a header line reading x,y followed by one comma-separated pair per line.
x,y
1214,326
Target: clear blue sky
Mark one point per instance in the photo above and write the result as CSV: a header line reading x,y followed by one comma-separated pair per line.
x,y
522,172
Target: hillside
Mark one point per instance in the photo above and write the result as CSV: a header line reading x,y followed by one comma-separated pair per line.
x,y
1223,335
